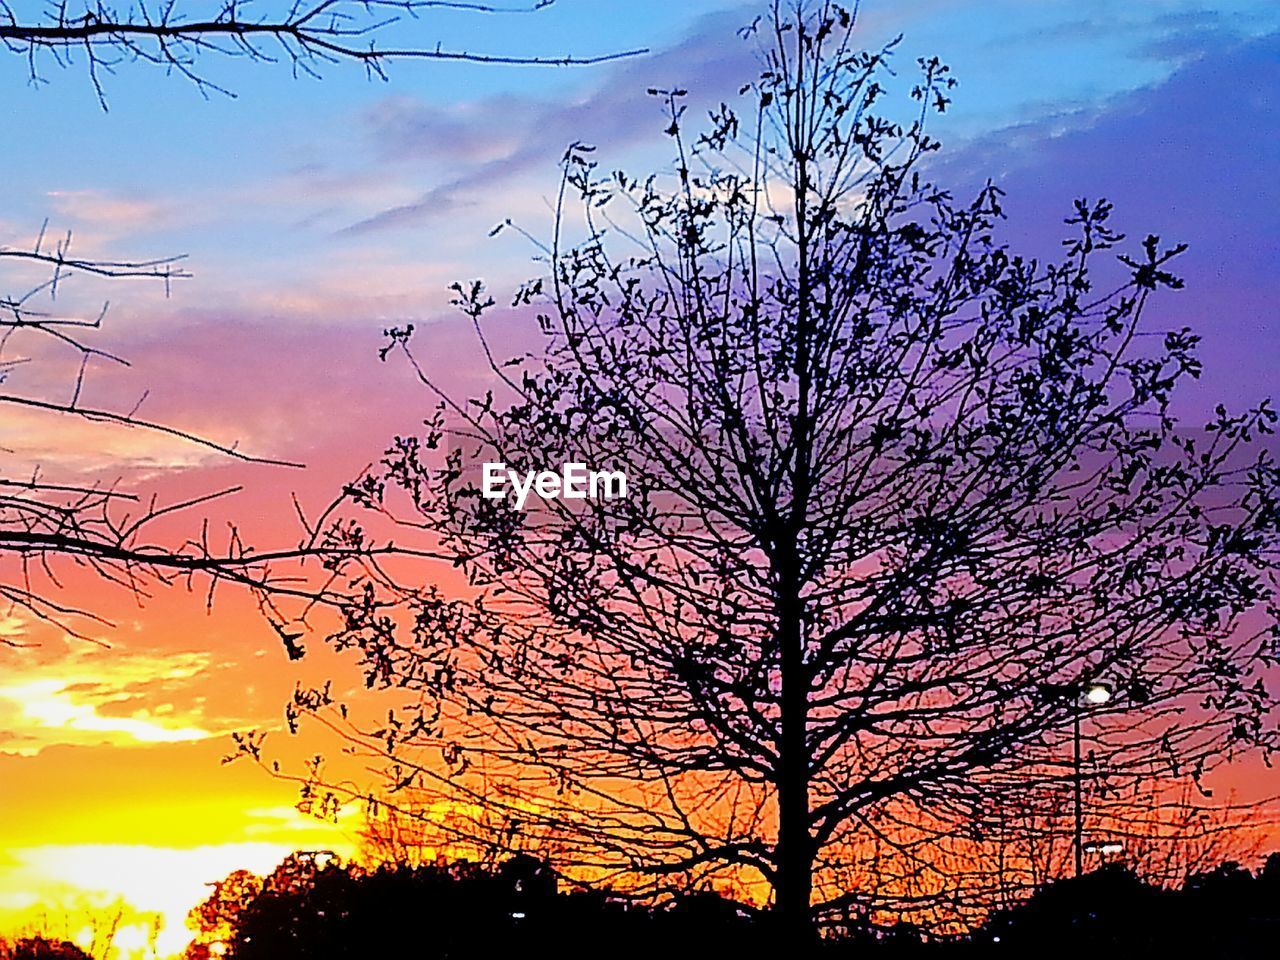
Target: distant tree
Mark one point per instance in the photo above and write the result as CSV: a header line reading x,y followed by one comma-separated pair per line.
x,y
1225,913
215,919
905,508
40,948
507,908
514,908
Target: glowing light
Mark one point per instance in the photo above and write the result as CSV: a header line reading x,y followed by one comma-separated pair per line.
x,y
50,704
1097,694
1107,849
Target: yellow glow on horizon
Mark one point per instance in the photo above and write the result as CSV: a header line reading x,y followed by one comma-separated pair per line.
x,y
65,886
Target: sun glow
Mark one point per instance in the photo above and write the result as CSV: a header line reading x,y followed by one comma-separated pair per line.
x,y
73,890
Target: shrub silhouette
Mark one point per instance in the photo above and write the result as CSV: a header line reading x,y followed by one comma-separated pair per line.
x,y
41,948
1226,912
470,910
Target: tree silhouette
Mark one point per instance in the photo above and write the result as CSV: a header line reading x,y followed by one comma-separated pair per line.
x,y
498,909
306,36
513,906
216,919
1225,912
902,501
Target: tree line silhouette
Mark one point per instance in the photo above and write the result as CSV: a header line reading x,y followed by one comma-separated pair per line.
x,y
517,907
41,948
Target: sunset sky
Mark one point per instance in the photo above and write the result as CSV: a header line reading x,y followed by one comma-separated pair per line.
x,y
318,213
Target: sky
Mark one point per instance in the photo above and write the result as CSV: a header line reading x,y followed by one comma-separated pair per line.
x,y
316,213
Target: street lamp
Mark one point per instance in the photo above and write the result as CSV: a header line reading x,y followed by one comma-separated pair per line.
x,y
1094,694
1098,694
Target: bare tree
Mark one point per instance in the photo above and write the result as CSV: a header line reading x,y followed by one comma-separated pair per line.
x,y
306,36
900,501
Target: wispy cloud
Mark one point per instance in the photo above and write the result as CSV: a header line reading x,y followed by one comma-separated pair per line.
x,y
1191,160
94,697
496,140
107,210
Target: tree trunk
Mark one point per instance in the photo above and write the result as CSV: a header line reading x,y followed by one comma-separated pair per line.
x,y
793,884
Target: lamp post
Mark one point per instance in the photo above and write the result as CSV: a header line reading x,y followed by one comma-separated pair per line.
x,y
1094,695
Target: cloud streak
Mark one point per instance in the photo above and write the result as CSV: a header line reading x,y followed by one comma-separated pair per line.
x,y
499,139
119,698
1191,159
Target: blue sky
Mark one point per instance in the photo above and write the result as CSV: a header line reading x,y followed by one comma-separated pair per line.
x,y
261,189
316,213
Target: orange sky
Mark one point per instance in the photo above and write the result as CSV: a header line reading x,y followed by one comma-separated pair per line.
x,y
113,785
111,781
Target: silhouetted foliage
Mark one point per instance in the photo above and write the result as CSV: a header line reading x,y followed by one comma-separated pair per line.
x,y
508,909
468,910
1227,912
40,948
